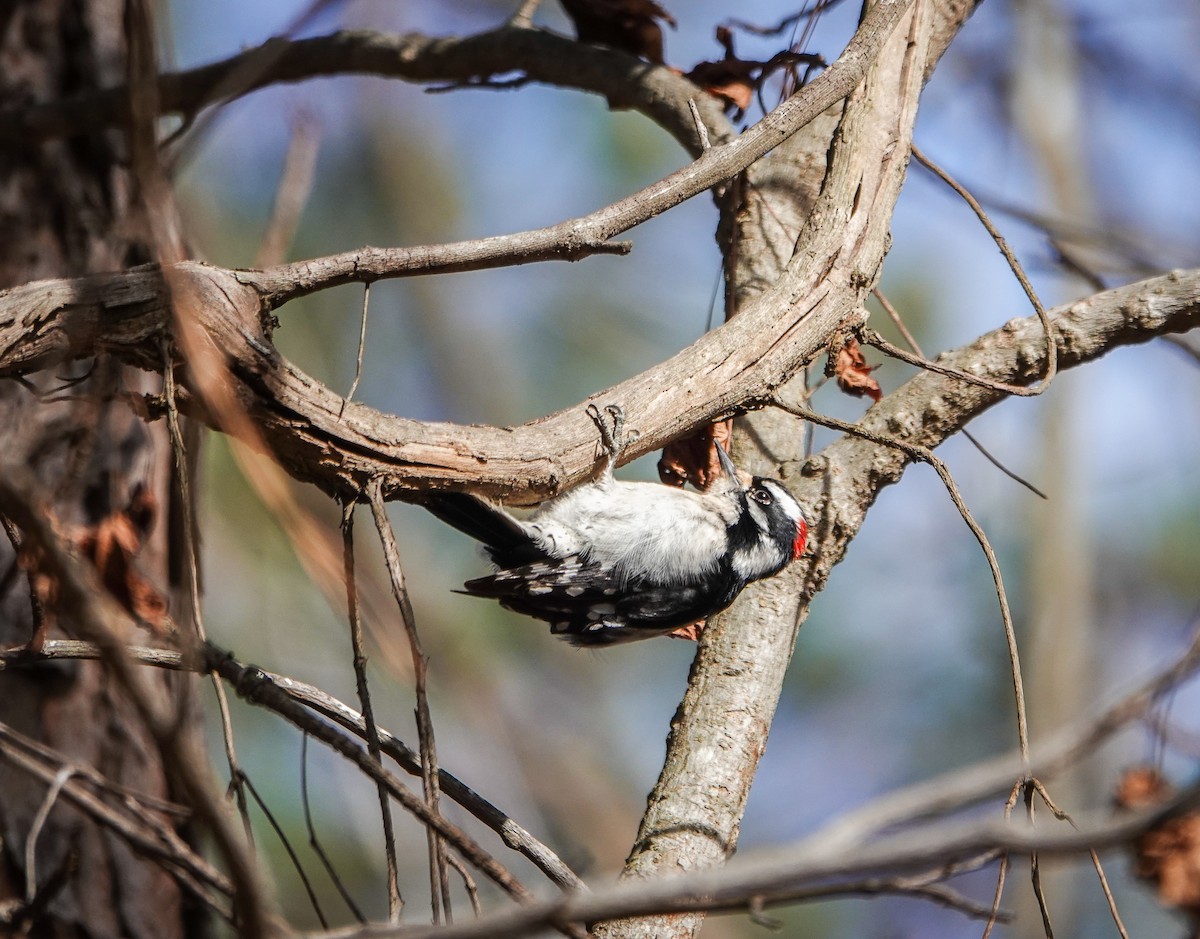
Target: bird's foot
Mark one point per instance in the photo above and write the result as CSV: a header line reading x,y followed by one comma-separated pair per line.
x,y
613,439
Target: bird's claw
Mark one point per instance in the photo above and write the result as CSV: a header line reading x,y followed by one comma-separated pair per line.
x,y
613,439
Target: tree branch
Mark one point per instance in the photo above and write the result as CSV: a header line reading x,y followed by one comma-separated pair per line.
x,y
778,876
318,437
542,56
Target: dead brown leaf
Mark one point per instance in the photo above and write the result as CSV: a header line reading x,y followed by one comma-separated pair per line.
x,y
694,459
731,79
690,632
631,25
1167,856
112,544
853,374
735,80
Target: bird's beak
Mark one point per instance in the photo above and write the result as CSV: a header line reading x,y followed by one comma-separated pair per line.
x,y
726,463
731,473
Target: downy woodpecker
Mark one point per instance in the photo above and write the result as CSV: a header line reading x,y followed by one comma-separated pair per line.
x,y
613,561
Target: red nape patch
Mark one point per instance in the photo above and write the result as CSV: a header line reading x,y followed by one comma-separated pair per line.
x,y
801,537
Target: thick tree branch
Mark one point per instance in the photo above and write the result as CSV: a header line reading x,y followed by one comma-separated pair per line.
x,y
929,408
625,81
724,370
576,238
339,446
567,241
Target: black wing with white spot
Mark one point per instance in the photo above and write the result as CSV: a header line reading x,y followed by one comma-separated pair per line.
x,y
588,604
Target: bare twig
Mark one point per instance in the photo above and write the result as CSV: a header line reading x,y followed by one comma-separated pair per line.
x,y
773,877
1108,895
869,337
926,455
144,832
362,342
395,901
295,185
37,613
1051,343
962,788
248,70
1065,817
256,687
872,338
439,877
287,847
701,127
1005,860
512,834
788,22
1039,893
191,540
315,843
468,881
35,829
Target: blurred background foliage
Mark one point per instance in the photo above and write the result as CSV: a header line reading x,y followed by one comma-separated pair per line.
x,y
1083,114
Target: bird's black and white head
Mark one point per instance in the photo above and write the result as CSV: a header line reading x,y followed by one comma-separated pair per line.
x,y
770,529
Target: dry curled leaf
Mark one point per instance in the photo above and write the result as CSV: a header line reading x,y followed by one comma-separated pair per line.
x,y
735,80
694,459
731,79
854,374
631,25
112,544
1167,856
690,632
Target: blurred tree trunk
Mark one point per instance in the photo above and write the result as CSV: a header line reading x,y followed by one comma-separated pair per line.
x,y
1061,678
64,211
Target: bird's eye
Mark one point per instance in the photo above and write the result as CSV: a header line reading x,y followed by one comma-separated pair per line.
x,y
761,496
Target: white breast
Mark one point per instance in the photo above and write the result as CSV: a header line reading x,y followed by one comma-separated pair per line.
x,y
638,528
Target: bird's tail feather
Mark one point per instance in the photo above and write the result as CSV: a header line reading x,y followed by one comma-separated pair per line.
x,y
507,541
